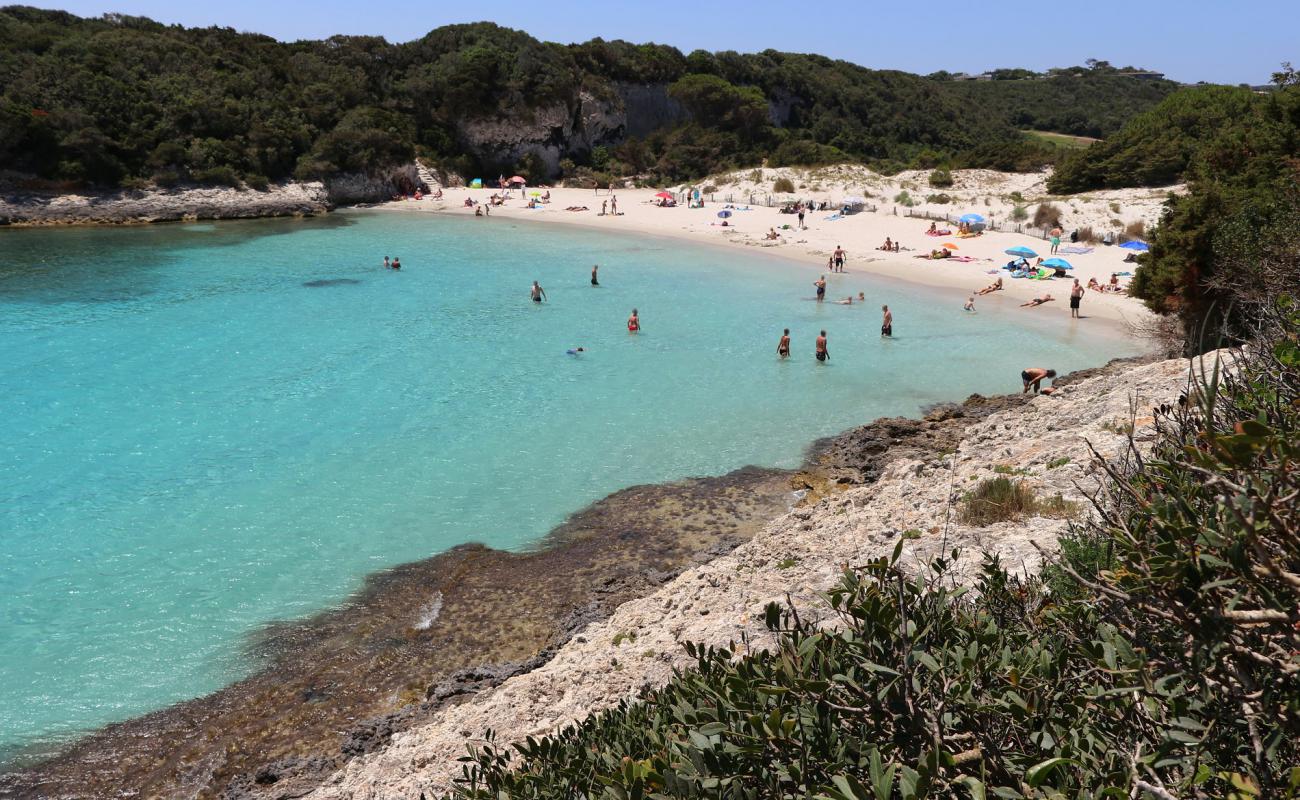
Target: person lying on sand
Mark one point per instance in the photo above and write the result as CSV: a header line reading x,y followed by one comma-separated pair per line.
x,y
996,286
1038,301
576,208
1032,377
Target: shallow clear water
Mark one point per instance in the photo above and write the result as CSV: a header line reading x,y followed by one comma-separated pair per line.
x,y
193,443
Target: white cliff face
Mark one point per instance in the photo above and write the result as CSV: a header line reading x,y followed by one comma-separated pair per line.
x,y
551,133
802,554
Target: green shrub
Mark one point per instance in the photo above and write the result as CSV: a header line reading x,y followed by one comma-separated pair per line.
x,y
996,500
783,186
938,199
941,179
1057,463
1019,214
904,199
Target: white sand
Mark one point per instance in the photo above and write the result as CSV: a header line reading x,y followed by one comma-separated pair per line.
x,y
861,233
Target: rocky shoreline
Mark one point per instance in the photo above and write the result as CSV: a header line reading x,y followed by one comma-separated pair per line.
x,y
1044,441
24,207
343,688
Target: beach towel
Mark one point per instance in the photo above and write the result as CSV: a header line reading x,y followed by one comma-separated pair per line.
x,y
1076,250
832,217
944,232
960,259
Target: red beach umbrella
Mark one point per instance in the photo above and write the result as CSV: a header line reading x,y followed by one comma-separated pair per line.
x,y
665,195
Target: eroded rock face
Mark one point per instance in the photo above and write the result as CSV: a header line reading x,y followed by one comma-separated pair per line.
x,y
562,131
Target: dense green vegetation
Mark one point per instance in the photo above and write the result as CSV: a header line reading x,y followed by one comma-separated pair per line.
x,y
124,100
1159,658
1239,153
1081,102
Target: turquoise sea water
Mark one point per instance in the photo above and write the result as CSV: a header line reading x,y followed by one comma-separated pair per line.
x,y
194,443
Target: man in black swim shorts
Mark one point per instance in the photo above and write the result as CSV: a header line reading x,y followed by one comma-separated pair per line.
x,y
887,323
538,293
820,283
822,352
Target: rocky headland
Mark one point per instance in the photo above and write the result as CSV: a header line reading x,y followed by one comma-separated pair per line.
x,y
1045,441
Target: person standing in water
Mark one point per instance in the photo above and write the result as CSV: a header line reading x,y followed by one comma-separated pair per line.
x,y
887,322
397,262
538,293
839,258
633,322
820,283
594,267
387,263
822,353
783,346
1076,296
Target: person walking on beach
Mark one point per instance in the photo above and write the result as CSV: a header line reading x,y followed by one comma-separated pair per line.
x,y
783,346
839,258
887,322
1056,239
594,267
1033,376
538,293
801,225
822,353
633,322
820,283
1076,296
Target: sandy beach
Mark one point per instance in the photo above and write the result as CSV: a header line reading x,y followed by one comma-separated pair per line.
x,y
861,234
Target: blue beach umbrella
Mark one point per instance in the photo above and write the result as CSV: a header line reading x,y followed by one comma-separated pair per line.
x,y
1057,263
970,218
724,214
1141,247
1020,251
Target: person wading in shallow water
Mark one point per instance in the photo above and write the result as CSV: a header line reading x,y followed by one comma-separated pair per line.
x,y
783,346
537,293
633,322
887,322
594,282
822,353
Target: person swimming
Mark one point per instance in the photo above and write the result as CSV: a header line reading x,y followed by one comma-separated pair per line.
x,y
783,346
537,293
822,352
573,351
633,322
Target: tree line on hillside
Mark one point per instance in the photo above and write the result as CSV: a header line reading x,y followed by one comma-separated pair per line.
x,y
123,100
1239,153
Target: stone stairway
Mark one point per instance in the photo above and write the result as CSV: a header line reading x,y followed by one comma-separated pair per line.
x,y
426,177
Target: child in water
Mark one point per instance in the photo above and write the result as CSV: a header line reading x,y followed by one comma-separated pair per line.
x,y
970,304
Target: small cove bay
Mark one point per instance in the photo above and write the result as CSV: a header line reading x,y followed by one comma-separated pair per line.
x,y
207,428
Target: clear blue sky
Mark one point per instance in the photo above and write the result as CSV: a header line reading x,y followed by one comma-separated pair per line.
x,y
1194,40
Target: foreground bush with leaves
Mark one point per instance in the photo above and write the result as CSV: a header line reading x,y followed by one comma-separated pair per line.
x,y
1159,658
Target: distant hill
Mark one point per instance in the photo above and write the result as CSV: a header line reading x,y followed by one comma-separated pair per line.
x,y
126,101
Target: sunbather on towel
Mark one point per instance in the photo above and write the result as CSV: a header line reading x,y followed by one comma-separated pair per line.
x,y
996,286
